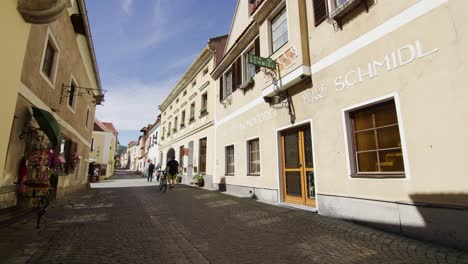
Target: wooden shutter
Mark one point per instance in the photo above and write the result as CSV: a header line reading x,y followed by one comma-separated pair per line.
x,y
320,11
257,52
237,78
234,76
221,89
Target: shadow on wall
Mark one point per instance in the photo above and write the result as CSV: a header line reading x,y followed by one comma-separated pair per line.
x,y
440,218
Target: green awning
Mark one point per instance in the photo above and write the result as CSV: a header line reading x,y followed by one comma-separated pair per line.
x,y
48,125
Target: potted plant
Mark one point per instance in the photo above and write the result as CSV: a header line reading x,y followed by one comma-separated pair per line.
x,y
203,111
198,180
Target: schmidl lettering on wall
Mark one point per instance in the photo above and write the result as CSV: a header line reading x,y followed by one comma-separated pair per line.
x,y
392,61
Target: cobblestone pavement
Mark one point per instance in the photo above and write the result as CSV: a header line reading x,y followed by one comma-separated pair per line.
x,y
189,225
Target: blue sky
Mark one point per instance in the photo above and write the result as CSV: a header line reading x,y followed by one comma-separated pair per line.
x,y
143,47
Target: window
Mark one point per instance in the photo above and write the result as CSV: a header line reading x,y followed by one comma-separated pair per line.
x,y
230,160
202,156
184,93
177,100
253,148
204,104
253,4
279,28
194,83
169,128
68,149
92,144
377,149
250,69
237,74
72,95
320,11
181,156
228,85
87,118
48,65
163,133
205,71
182,120
192,112
175,123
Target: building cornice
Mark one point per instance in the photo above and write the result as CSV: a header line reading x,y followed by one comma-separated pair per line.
x,y
84,13
202,59
41,12
246,37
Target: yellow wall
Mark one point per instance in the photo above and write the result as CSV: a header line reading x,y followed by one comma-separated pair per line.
x,y
15,34
104,142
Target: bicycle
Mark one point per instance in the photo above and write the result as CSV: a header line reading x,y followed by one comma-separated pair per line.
x,y
163,181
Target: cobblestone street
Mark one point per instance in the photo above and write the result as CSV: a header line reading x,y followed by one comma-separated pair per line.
x,y
189,225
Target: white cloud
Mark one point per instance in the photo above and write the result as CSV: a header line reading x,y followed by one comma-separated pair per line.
x,y
131,105
127,7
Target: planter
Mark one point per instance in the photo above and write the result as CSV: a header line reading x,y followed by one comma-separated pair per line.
x,y
200,184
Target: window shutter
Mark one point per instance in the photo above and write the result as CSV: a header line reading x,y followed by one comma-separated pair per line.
x,y
238,73
257,52
221,83
320,11
234,76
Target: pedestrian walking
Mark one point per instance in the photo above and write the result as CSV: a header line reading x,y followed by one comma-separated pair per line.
x,y
173,168
158,171
150,172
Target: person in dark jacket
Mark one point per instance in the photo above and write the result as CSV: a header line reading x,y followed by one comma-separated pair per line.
x,y
150,172
172,168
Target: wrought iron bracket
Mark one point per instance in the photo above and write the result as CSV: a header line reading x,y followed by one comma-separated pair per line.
x,y
80,91
281,98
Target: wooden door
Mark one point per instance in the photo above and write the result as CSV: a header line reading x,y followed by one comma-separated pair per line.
x,y
297,166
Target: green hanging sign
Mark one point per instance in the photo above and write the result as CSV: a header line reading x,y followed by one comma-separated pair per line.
x,y
262,62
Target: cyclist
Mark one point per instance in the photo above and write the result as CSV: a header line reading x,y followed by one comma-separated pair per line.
x,y
172,167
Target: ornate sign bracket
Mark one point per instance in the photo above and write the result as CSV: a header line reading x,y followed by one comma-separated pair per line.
x,y
80,91
281,99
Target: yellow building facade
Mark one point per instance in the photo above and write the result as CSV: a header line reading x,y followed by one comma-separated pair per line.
x,y
15,32
103,150
58,82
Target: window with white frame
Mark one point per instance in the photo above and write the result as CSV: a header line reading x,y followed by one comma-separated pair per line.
x,y
182,120
253,152
192,112
250,69
230,160
204,104
49,62
228,83
376,144
279,30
